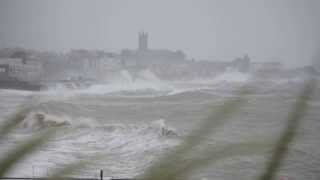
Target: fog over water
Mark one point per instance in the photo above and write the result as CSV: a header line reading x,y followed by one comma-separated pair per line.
x,y
278,30
132,79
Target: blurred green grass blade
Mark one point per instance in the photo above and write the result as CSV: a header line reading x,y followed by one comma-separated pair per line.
x,y
187,167
217,154
23,150
69,169
75,166
298,111
13,120
18,116
215,120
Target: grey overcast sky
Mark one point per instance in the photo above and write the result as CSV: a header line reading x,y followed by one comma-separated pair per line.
x,y
284,30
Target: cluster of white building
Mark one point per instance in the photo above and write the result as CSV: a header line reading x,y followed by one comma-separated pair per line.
x,y
20,69
99,65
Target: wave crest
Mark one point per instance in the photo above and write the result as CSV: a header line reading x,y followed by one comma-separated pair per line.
x,y
41,120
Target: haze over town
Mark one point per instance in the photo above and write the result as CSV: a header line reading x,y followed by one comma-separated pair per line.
x,y
276,30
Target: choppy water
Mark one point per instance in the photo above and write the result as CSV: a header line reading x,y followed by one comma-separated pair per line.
x,y
135,121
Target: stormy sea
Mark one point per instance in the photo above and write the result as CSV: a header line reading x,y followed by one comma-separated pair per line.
x,y
134,121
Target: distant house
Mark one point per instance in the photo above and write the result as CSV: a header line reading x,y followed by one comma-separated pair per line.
x,y
92,64
267,67
19,69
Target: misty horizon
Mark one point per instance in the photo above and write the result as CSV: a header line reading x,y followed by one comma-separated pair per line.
x,y
284,31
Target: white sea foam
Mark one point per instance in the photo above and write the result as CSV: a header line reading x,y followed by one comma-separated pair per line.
x,y
142,81
132,143
127,143
124,81
145,82
233,76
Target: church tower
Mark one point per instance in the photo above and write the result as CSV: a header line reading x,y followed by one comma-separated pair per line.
x,y
143,41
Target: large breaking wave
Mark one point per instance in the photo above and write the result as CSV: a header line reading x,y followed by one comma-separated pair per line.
x,y
143,81
124,82
146,83
39,120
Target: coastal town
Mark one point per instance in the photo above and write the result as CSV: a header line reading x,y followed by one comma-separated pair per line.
x,y
18,65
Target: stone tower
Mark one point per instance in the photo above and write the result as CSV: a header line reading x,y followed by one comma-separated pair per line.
x,y
143,41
